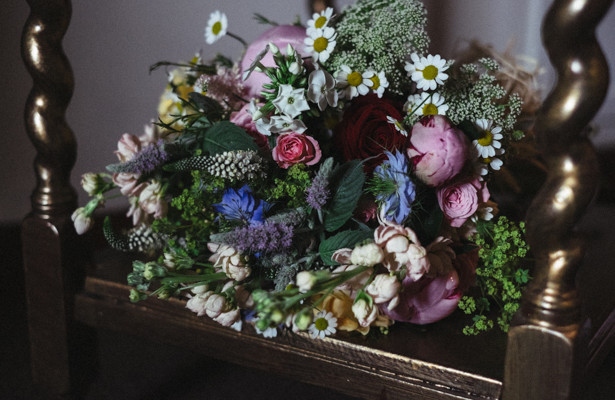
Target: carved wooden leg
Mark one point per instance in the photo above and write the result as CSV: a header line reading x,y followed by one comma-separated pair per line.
x,y
50,245
542,356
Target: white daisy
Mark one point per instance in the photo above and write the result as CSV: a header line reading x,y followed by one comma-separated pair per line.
x,y
379,82
286,124
319,21
321,89
324,325
216,27
353,83
291,101
398,125
427,72
489,140
320,43
426,104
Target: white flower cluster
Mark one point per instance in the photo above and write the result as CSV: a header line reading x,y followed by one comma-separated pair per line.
x,y
239,165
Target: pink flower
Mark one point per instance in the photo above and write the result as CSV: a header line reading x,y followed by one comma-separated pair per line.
x,y
438,150
151,200
281,36
127,147
460,200
384,289
402,248
427,300
294,148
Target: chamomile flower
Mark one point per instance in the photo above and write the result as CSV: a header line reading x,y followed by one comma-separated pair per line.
x,y
379,82
216,27
426,104
319,20
490,138
353,83
320,43
290,101
427,72
398,125
324,325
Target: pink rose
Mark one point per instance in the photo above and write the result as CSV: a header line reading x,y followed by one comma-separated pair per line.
x,y
281,36
438,150
460,200
293,148
427,300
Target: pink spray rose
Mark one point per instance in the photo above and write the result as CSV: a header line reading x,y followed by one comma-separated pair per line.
x,y
460,200
294,148
281,36
438,149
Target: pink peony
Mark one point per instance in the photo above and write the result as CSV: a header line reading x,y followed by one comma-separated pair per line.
x,y
459,201
294,148
427,300
438,150
281,36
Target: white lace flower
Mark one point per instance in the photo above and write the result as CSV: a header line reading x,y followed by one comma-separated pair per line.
x,y
291,101
321,89
320,43
427,72
426,104
216,27
286,124
353,83
319,20
398,125
324,325
489,140
379,82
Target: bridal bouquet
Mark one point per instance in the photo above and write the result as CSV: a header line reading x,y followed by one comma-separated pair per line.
x,y
334,179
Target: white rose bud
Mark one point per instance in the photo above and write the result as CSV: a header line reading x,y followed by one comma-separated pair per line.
x,y
82,221
364,313
228,318
367,255
197,303
384,288
305,281
215,305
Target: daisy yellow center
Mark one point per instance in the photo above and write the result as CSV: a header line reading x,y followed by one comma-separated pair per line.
x,y
430,72
320,22
321,324
320,44
376,82
355,78
487,139
430,109
216,28
486,160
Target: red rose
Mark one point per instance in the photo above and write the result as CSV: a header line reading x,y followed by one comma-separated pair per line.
x,y
293,148
365,133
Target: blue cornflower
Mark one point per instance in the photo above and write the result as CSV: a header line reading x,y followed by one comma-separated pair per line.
x,y
393,188
242,205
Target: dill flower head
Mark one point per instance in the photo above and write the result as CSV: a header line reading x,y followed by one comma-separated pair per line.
x,y
379,35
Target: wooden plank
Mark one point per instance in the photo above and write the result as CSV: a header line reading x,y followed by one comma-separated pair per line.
x,y
353,365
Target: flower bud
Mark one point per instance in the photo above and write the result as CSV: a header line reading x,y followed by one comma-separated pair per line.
x,y
303,320
305,281
368,255
274,49
364,312
82,220
92,183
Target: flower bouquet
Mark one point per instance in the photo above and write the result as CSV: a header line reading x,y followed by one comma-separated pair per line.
x,y
334,179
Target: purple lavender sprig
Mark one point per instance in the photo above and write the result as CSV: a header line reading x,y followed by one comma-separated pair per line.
x,y
270,237
145,161
318,193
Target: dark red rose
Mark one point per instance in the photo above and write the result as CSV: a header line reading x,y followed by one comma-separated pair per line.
x,y
365,133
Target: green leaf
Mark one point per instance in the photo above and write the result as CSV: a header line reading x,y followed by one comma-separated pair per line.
x,y
226,136
210,107
345,239
348,180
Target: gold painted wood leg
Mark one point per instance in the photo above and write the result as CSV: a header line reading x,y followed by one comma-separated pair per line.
x,y
545,342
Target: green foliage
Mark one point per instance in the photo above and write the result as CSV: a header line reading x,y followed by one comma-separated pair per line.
x,y
347,181
500,277
292,187
226,136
